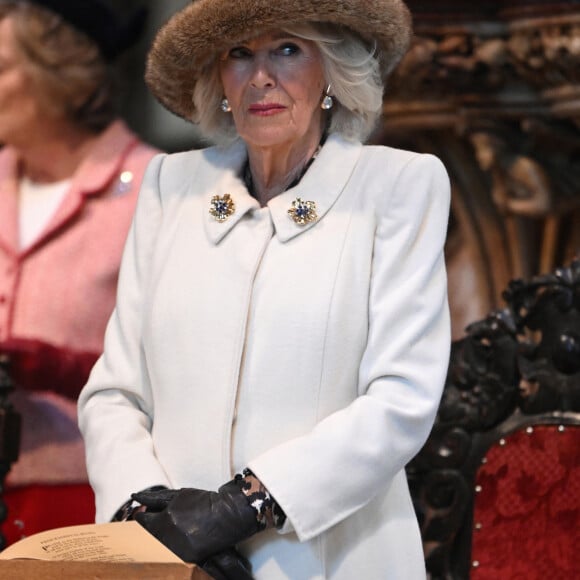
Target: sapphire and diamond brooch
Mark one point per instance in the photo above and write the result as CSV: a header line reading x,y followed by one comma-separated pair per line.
x,y
303,212
222,207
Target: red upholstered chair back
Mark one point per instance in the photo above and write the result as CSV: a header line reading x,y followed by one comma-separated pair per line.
x,y
527,506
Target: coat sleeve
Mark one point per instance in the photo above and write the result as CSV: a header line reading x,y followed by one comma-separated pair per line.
x,y
321,478
115,405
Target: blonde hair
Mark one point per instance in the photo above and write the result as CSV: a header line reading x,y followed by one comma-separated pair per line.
x,y
64,65
350,67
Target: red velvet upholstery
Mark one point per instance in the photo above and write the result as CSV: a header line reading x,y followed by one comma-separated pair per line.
x,y
37,508
527,507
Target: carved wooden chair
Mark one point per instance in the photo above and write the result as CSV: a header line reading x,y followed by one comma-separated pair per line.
x,y
497,485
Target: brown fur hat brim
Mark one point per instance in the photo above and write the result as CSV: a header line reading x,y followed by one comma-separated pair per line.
x,y
191,39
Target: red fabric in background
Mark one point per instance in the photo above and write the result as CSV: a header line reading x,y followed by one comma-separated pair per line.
x,y
37,508
526,516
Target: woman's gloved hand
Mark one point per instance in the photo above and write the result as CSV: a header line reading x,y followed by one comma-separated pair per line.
x,y
196,524
228,565
131,507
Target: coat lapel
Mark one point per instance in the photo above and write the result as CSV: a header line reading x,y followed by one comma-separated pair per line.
x,y
9,201
95,175
323,183
224,169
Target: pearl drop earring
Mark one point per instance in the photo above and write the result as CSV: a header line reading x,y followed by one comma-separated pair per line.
x,y
327,100
225,105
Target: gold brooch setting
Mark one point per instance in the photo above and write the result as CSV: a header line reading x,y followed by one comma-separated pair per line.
x,y
222,207
303,212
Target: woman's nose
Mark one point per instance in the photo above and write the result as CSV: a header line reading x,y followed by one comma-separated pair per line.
x,y
263,73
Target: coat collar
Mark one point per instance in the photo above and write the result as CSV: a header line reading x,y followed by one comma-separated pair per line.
x,y
94,175
224,179
105,161
323,183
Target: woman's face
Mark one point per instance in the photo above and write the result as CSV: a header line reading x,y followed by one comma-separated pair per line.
x,y
274,84
20,108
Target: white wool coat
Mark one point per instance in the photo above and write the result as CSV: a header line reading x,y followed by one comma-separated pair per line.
x,y
313,354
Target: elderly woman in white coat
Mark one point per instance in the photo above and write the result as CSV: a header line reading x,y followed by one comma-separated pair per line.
x,y
281,334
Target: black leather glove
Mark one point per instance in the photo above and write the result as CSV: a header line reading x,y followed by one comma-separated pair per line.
x,y
228,565
196,524
128,510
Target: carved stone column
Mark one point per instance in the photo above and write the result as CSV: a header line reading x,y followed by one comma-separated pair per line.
x,y
493,88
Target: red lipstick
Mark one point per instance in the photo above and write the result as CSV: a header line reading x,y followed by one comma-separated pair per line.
x,y
265,109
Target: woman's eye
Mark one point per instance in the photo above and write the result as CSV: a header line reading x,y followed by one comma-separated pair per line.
x,y
239,52
288,49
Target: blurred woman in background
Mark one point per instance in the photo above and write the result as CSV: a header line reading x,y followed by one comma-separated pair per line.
x,y
69,175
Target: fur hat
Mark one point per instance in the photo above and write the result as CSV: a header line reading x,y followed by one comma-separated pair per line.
x,y
97,19
193,36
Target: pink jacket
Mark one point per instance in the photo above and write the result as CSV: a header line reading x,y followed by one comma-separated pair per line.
x,y
62,289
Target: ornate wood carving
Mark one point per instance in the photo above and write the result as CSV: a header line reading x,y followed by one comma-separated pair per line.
x,y
493,88
519,366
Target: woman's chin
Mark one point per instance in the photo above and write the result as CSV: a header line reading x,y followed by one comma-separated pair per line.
x,y
268,139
